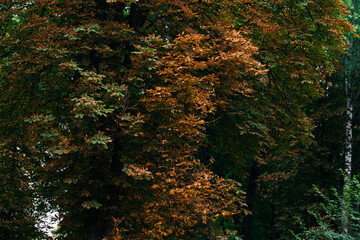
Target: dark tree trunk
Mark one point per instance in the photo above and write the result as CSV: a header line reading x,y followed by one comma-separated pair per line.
x,y
273,234
101,5
116,169
136,17
101,221
250,196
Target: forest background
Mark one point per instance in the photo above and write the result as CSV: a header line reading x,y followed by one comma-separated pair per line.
x,y
184,119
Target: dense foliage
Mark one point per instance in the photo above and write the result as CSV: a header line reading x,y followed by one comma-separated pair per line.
x,y
153,119
330,218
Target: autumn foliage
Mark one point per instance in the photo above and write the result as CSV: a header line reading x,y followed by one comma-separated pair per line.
x,y
111,102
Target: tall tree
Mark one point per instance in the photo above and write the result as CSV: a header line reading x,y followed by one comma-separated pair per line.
x,y
114,113
273,119
351,62
19,207
117,100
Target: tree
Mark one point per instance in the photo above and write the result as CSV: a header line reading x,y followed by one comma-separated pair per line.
x,y
350,76
19,208
112,131
293,52
118,100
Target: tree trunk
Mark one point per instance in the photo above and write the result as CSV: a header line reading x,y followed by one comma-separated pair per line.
x,y
348,148
348,143
250,195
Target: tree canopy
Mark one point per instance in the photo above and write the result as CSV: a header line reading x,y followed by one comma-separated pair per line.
x,y
153,119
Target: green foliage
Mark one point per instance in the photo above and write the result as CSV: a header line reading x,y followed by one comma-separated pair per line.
x,y
331,218
108,104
